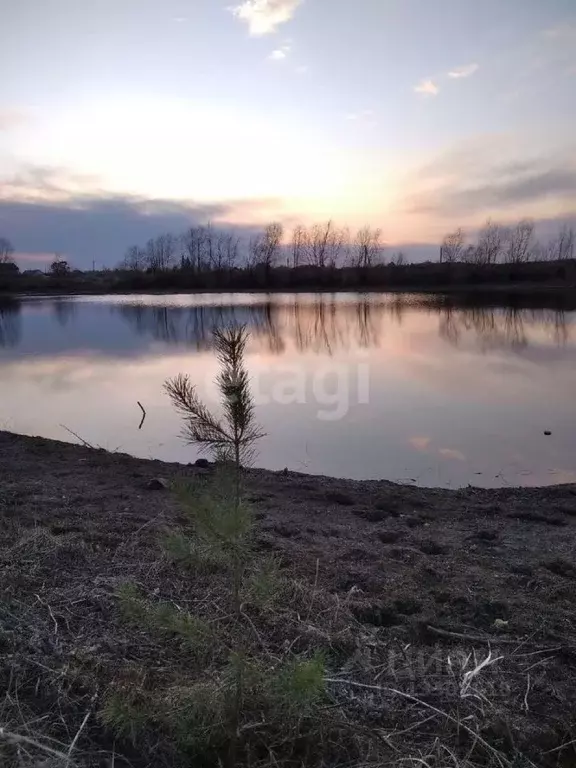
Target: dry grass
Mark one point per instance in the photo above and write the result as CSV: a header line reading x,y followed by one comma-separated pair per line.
x,y
319,687
97,673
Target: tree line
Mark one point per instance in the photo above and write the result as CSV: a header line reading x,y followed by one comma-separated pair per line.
x,y
321,248
204,248
515,244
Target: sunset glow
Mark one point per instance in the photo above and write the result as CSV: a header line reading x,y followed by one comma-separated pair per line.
x,y
241,115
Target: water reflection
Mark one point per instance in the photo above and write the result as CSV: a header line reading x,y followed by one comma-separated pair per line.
x,y
10,323
64,311
458,392
508,327
330,324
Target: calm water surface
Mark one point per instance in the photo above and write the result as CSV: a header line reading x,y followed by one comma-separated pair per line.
x,y
377,386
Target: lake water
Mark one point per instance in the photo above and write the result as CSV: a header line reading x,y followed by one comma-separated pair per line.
x,y
378,386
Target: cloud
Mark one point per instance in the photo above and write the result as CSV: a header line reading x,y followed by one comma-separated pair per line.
x,y
265,16
39,217
427,88
501,191
36,260
281,53
461,72
489,176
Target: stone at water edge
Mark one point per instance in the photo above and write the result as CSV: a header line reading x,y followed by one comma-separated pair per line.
x,y
547,432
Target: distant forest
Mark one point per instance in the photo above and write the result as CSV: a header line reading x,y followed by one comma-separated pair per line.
x,y
320,257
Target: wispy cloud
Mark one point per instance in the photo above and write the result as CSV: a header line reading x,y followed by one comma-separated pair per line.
x,y
427,88
461,72
281,53
265,16
494,173
38,258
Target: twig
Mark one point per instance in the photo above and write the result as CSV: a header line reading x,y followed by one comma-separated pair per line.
x,y
313,594
42,666
458,724
561,747
470,638
16,738
526,707
84,442
43,602
79,731
143,414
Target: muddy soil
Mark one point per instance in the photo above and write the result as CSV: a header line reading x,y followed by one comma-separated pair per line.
x,y
419,567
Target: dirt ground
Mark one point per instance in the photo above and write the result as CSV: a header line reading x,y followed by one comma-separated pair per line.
x,y
418,570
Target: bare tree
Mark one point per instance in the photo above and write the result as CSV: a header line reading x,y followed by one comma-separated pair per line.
x,y
566,243
225,251
366,248
519,242
452,248
6,250
135,258
318,244
160,252
299,245
338,244
254,251
549,251
193,242
561,247
399,259
326,243
490,243
270,245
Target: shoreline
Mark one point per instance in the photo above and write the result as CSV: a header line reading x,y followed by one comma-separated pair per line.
x,y
480,289
52,446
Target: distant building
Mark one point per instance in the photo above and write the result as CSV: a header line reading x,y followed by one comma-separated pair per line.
x,y
34,273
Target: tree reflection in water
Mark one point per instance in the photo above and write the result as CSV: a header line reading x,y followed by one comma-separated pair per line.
x,y
10,322
328,323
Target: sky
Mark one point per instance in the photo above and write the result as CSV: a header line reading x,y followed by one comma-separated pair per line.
x,y
122,119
